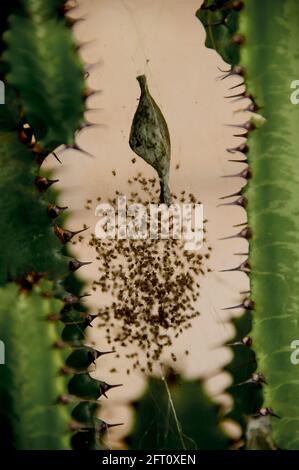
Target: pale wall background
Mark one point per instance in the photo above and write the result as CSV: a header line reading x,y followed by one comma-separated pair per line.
x,y
164,40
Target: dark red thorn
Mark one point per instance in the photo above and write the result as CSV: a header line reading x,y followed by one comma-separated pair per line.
x,y
64,399
113,425
89,319
55,155
42,183
239,193
244,134
59,344
55,211
75,264
100,353
246,341
252,108
238,5
243,148
236,86
248,304
246,173
79,149
106,387
241,202
64,370
256,378
238,161
91,92
93,110
238,39
243,267
69,7
234,70
73,21
243,94
72,299
248,126
266,412
52,317
90,67
82,45
240,225
66,235
245,233
25,135
101,426
87,125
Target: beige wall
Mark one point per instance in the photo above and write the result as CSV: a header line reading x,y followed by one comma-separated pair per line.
x,y
163,39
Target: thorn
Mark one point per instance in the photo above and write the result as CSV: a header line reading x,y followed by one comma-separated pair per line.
x,y
240,225
25,134
242,94
55,155
248,304
251,108
239,161
239,193
101,426
72,299
82,45
244,267
66,235
248,126
245,233
238,5
246,174
74,264
88,125
73,21
238,39
244,134
266,412
64,399
243,148
246,341
42,183
256,379
236,86
55,211
100,353
234,70
79,149
59,344
106,387
70,6
114,424
89,67
241,201
89,319
52,317
91,92
66,371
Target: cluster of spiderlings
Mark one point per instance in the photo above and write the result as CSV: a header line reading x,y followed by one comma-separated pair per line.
x,y
153,282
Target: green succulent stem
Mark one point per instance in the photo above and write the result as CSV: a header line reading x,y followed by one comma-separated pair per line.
x,y
42,323
267,53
